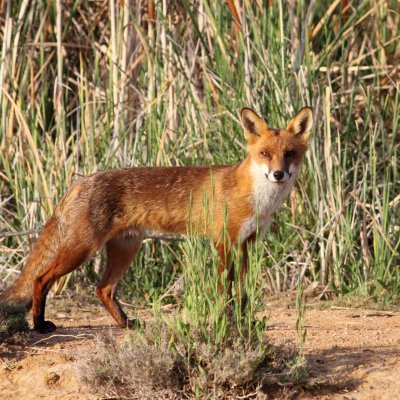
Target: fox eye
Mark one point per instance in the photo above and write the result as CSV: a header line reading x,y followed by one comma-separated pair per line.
x,y
265,154
290,153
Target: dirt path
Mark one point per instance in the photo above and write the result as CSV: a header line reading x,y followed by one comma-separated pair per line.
x,y
352,353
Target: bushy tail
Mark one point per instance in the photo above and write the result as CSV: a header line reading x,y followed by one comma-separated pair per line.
x,y
44,251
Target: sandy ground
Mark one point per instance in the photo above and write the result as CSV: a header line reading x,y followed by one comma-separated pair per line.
x,y
353,354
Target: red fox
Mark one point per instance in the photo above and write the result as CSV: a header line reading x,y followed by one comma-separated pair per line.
x,y
116,208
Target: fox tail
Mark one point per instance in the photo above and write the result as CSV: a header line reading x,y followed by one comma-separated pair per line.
x,y
44,251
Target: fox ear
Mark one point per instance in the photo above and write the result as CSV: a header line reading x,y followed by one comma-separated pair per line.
x,y
253,125
302,123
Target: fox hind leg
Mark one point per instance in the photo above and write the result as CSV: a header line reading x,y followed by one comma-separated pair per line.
x,y
66,261
121,251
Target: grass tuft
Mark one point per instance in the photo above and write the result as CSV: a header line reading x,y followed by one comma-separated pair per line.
x,y
12,319
155,364
138,367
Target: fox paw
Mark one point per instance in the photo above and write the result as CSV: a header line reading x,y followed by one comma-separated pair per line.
x,y
45,327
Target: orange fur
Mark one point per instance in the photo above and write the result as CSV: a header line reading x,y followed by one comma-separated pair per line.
x,y
116,208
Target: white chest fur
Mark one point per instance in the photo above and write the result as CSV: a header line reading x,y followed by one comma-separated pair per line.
x,y
267,197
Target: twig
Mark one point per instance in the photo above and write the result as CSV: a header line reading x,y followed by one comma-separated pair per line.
x,y
162,236
21,233
79,336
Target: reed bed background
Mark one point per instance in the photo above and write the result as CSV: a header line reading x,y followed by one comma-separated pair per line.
x,y
90,85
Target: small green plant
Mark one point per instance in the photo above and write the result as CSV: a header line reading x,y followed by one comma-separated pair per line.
x,y
301,314
299,371
224,344
10,366
12,319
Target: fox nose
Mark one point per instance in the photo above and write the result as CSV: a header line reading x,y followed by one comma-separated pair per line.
x,y
278,175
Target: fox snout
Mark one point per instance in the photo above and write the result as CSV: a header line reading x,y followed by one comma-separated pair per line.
x,y
278,176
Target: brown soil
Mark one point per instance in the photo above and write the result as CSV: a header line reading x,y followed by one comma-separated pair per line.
x,y
352,353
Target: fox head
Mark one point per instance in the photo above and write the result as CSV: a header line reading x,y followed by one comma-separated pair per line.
x,y
277,152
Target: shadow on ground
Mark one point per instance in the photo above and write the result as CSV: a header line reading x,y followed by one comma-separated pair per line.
x,y
333,370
